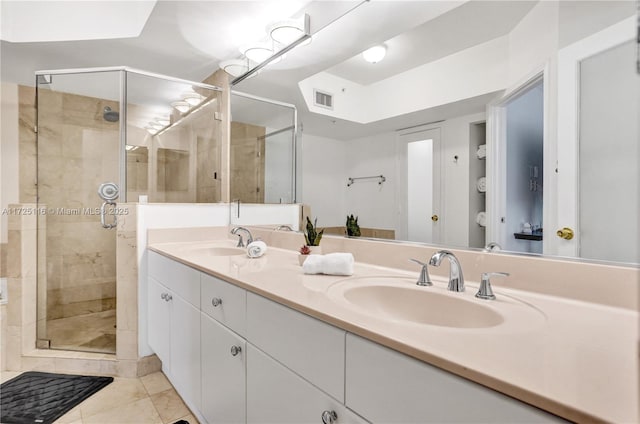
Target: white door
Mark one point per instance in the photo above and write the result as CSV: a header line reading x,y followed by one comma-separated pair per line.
x,y
223,373
421,148
159,332
185,349
598,147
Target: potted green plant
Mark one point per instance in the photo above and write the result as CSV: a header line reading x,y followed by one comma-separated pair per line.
x,y
353,229
312,236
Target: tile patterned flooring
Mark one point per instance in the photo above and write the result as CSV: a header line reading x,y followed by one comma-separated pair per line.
x,y
149,399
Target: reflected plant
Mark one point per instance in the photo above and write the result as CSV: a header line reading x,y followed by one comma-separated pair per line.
x,y
353,229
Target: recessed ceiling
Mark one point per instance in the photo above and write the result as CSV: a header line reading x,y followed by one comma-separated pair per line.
x,y
45,21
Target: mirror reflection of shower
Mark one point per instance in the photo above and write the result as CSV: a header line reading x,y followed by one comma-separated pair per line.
x,y
110,115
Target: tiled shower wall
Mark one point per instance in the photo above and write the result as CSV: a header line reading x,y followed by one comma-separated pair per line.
x,y
77,152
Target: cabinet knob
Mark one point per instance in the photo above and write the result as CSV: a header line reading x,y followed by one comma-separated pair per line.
x,y
329,417
168,297
235,350
216,301
163,296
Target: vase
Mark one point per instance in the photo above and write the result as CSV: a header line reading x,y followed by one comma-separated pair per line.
x,y
315,250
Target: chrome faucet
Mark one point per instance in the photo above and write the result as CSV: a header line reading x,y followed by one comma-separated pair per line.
x,y
235,231
423,279
456,280
284,228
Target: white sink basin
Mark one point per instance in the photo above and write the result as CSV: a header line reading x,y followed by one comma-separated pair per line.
x,y
422,306
213,248
218,251
400,300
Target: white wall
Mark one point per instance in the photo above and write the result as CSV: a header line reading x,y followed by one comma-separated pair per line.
x,y
328,163
437,83
323,179
376,205
9,155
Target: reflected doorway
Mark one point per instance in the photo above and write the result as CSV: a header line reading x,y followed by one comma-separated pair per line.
x,y
423,185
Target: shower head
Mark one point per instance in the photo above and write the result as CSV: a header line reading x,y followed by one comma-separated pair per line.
x,y
110,115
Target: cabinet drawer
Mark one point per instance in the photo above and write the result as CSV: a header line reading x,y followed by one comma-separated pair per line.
x,y
177,277
307,346
230,301
386,386
277,395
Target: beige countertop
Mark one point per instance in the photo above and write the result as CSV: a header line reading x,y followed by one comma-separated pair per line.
x,y
576,359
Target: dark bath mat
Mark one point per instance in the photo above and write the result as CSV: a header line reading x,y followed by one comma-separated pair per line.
x,y
41,397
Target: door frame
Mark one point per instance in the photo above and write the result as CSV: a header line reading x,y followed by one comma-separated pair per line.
x,y
496,204
568,133
402,196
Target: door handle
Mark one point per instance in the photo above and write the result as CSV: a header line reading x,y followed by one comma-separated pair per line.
x,y
565,233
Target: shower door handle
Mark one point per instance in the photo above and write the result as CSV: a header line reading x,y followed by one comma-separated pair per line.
x,y
108,192
103,216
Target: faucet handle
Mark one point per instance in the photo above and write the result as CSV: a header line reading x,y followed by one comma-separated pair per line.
x,y
485,292
423,279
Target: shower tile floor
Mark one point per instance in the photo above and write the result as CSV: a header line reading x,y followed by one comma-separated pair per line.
x,y
95,332
149,399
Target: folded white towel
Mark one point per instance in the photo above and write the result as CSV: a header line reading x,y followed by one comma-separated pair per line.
x,y
331,264
256,249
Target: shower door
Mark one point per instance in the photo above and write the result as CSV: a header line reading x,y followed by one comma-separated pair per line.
x,y
78,152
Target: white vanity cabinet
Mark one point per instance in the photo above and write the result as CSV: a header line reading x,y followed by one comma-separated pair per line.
x,y
307,346
386,386
237,357
174,323
277,395
223,322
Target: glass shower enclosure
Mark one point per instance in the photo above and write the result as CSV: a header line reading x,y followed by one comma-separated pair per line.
x,y
107,136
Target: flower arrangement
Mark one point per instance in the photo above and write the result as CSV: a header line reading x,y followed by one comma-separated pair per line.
x,y
304,250
313,236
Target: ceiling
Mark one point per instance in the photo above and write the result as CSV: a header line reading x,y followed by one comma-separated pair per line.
x,y
187,39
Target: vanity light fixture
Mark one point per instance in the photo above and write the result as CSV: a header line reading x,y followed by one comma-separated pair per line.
x,y
163,122
234,67
181,106
192,98
286,31
258,52
375,54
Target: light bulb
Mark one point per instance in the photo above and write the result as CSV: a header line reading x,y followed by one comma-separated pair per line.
x,y
375,54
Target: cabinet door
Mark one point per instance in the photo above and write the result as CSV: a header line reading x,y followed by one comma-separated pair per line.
x,y
386,386
223,373
277,395
185,350
159,332
309,347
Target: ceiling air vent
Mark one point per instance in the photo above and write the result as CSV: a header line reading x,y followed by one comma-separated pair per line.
x,y
322,99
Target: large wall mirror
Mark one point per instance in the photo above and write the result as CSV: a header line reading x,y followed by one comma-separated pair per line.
x,y
513,122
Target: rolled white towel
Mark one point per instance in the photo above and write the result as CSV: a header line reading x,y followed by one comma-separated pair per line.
x,y
338,264
256,249
313,264
331,264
